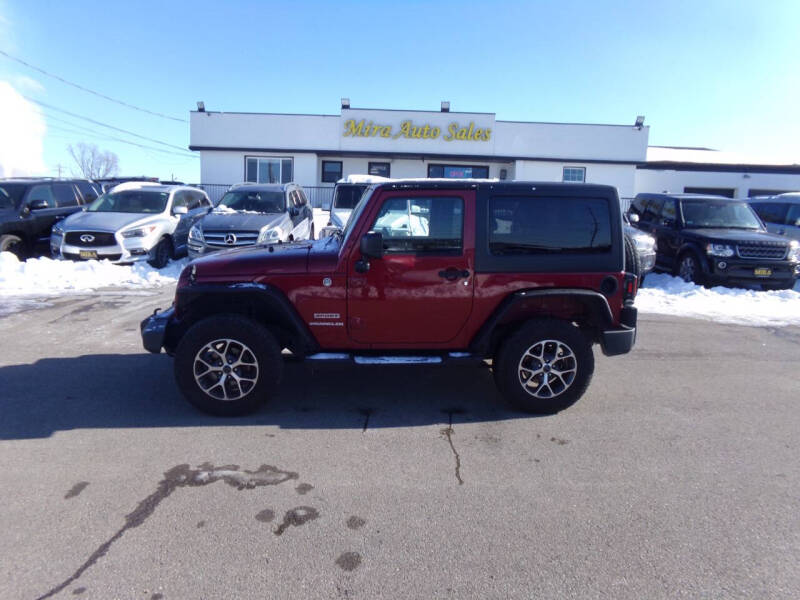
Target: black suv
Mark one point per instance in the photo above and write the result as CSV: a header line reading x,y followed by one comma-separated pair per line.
x,y
29,207
715,240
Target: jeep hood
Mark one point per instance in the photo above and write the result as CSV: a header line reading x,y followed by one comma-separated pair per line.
x,y
241,221
735,235
107,221
254,263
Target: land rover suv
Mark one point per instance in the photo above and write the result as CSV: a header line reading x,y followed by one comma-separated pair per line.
x,y
715,240
529,275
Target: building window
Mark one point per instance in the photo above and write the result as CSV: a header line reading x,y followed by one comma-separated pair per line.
x,y
331,171
759,192
574,174
458,172
268,169
381,169
727,192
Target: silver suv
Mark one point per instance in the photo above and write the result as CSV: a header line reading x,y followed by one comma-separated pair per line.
x,y
781,214
133,222
254,213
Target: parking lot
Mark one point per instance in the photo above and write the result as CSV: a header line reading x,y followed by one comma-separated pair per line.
x,y
675,476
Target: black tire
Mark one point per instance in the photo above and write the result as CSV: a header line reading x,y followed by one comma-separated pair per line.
x,y
259,346
632,263
544,337
13,244
159,256
689,269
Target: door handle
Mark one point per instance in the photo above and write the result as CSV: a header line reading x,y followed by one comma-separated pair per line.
x,y
452,274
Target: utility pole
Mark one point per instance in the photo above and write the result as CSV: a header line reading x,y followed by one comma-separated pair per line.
x,y
58,168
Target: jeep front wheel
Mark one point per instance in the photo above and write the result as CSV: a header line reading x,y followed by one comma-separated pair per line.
x,y
228,365
544,367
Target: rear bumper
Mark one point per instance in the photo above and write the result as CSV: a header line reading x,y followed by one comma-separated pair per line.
x,y
620,340
154,330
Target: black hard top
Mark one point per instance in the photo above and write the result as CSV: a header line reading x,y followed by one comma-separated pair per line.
x,y
687,197
542,187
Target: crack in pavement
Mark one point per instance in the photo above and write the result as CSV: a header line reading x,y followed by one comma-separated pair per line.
x,y
448,433
178,477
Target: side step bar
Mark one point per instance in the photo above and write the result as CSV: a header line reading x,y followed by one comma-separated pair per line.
x,y
397,359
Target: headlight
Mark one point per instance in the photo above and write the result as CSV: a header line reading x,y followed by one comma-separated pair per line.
x,y
269,235
139,232
719,250
195,233
644,242
794,251
58,229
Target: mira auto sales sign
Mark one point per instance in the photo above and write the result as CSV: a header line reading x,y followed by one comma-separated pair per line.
x,y
416,131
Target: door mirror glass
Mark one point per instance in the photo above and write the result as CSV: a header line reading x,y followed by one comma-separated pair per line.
x,y
633,218
38,204
372,245
180,210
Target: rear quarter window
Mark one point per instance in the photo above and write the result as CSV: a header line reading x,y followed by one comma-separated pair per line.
x,y
541,225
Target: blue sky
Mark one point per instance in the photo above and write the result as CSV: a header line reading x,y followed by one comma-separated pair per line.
x,y
715,74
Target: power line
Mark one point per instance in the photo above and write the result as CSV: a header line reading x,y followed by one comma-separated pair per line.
x,y
87,90
71,114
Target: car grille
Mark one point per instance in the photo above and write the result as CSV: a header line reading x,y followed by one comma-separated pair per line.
x,y
240,238
767,250
100,239
73,256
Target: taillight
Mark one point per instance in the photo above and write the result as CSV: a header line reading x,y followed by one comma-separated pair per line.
x,y
631,286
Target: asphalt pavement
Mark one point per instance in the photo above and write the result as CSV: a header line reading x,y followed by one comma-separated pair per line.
x,y
676,476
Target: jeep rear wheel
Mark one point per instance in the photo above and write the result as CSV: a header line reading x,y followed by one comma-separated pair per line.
x,y
228,365
544,367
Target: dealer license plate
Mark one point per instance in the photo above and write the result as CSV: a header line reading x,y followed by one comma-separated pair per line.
x,y
762,272
93,254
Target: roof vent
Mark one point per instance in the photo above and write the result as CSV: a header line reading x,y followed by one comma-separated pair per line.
x,y
639,122
345,103
445,106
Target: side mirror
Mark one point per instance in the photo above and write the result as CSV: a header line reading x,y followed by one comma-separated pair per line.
x,y
372,245
180,210
38,204
328,232
633,217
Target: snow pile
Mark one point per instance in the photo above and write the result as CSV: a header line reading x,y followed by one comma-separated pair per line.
x,y
667,295
47,277
364,179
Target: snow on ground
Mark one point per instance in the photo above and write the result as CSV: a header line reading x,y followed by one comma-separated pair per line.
x,y
45,277
667,295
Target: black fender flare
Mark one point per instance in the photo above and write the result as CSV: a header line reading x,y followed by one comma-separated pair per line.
x,y
596,303
695,249
267,303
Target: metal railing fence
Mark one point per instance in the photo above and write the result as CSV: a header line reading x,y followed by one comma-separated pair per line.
x,y
318,196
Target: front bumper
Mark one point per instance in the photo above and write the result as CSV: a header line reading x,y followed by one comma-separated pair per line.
x,y
732,271
120,253
620,340
154,329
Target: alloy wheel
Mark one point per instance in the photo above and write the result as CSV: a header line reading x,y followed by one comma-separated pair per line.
x,y
547,369
226,369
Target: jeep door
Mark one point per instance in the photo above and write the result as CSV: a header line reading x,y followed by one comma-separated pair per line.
x,y
420,291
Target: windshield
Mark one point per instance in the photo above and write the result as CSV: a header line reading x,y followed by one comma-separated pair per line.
x,y
347,196
722,214
130,201
252,201
355,215
11,194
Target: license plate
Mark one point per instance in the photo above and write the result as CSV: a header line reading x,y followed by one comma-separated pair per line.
x,y
93,254
762,272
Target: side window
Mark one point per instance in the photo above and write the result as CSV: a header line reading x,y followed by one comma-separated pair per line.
x,y
194,200
638,206
204,201
668,211
180,199
793,218
88,191
42,192
293,199
301,195
421,225
65,195
542,225
771,212
653,210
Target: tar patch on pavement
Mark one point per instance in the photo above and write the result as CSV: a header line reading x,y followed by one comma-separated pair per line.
x,y
355,522
296,517
265,516
304,488
76,489
78,591
349,561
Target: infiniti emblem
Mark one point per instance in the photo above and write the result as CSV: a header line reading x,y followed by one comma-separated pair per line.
x,y
87,238
230,239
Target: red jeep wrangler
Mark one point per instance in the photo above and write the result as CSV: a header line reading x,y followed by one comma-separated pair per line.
x,y
529,275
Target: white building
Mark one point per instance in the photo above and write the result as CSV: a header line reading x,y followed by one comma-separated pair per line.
x,y
317,150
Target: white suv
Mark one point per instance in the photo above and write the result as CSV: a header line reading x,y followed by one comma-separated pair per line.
x,y
133,222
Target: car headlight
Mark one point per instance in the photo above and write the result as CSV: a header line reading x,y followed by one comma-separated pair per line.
x,y
269,235
195,233
139,232
719,250
794,251
58,229
644,242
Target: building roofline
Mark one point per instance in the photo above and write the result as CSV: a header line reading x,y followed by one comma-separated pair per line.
x,y
665,165
417,155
